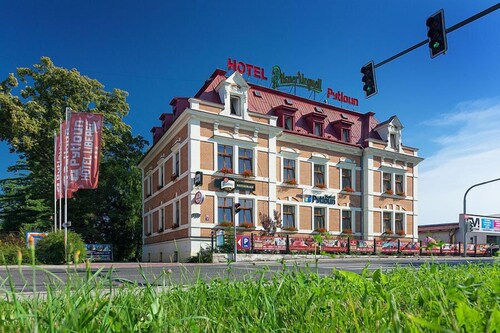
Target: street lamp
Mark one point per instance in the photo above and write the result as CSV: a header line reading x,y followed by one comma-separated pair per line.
x,y
465,210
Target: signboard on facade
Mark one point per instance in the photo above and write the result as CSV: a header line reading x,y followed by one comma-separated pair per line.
x,y
485,224
198,178
315,196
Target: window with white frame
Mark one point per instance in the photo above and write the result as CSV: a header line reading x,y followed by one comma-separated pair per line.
x,y
289,170
235,102
225,158
393,141
177,163
246,212
149,186
347,180
288,216
149,226
161,175
319,175
245,161
347,222
319,218
400,189
225,210
399,223
387,182
387,222
161,223
177,214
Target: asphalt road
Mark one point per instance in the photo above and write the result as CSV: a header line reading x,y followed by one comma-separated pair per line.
x,y
159,274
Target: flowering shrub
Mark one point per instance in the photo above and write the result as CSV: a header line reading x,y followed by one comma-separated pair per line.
x,y
291,181
389,191
401,232
291,228
247,225
321,230
347,231
226,224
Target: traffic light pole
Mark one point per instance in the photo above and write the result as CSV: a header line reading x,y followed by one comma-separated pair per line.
x,y
465,210
451,29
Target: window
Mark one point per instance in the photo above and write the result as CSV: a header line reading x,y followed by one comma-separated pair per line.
x,y
387,227
161,223
288,123
246,213
319,218
225,157
148,226
387,182
177,214
319,175
288,216
245,160
235,105
346,135
392,138
318,129
398,221
225,210
346,179
399,185
288,170
346,221
149,186
177,164
161,176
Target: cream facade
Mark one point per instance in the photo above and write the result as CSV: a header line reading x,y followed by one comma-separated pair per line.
x,y
323,168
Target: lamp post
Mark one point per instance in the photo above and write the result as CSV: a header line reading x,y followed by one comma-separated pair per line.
x,y
465,210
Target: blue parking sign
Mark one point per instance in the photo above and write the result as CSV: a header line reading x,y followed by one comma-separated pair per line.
x,y
245,242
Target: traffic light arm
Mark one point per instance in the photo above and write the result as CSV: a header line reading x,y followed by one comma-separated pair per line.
x,y
451,29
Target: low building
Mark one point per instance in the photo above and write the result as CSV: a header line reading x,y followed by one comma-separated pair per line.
x,y
321,167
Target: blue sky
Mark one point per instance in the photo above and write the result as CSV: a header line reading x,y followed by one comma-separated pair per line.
x,y
156,50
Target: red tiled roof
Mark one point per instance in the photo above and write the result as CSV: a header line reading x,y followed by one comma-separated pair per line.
x,y
270,99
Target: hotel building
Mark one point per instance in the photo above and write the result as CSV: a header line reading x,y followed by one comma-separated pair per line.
x,y
320,166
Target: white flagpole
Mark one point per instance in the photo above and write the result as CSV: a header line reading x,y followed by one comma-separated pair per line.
x,y
61,174
68,110
55,181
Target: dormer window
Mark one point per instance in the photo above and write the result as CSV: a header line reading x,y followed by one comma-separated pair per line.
x,y
318,128
288,123
235,105
346,135
393,141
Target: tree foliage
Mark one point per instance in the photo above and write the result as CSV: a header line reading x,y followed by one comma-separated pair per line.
x,y
29,115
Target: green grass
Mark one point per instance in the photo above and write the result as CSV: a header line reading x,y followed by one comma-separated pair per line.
x,y
432,298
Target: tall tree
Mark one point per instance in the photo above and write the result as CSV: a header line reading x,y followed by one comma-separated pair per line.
x,y
28,118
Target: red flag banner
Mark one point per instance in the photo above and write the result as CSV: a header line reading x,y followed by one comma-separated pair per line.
x,y
84,150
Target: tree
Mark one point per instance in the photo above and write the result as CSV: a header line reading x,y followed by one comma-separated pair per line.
x,y
270,225
28,118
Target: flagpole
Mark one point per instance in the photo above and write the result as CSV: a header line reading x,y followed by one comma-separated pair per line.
x,y
55,181
60,173
66,186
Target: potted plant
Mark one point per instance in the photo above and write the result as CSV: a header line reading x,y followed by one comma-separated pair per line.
x,y
389,192
289,228
321,230
291,181
401,232
388,232
226,170
348,189
321,185
247,225
401,194
347,231
247,173
174,177
226,224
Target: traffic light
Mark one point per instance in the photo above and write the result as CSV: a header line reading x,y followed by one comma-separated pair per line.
x,y
370,84
436,31
237,208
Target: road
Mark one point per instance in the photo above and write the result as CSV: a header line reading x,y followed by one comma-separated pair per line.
x,y
21,278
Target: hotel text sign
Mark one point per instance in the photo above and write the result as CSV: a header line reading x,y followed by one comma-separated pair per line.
x,y
280,79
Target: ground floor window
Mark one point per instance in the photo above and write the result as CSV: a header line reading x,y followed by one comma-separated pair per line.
x,y
319,218
347,221
246,212
225,210
387,227
288,216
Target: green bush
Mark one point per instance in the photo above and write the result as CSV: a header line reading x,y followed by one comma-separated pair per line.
x,y
9,248
204,256
50,250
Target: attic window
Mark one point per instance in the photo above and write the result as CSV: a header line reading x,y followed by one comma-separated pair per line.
x,y
343,116
257,93
318,109
288,101
235,105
